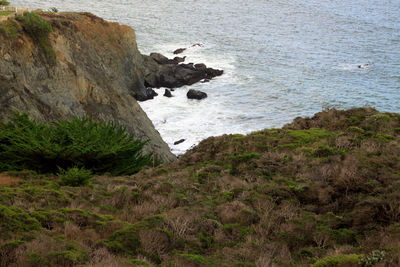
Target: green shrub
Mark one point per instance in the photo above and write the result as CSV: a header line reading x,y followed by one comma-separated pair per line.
x,y
75,176
372,258
198,260
6,13
35,25
14,219
339,260
9,28
80,142
4,3
38,29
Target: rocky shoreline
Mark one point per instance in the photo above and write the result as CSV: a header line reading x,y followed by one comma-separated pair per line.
x,y
161,71
88,67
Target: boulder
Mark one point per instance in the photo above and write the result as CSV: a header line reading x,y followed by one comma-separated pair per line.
x,y
179,59
146,95
167,93
196,94
159,58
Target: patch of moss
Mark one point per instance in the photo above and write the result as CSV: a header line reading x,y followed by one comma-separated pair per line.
x,y
339,260
246,157
304,137
197,259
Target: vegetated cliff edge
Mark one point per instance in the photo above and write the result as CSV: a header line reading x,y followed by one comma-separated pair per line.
x,y
89,67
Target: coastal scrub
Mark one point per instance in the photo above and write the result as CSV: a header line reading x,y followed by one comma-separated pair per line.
x,y
76,143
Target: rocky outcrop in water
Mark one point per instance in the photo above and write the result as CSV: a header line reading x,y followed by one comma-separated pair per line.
x,y
159,71
91,67
196,94
167,93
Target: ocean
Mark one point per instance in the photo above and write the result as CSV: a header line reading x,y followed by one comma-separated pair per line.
x,y
282,58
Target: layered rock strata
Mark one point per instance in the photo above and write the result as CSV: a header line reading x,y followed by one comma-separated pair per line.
x,y
91,67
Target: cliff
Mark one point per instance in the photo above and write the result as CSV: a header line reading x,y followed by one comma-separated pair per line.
x,y
87,66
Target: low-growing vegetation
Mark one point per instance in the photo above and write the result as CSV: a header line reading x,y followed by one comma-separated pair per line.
x,y
10,28
322,191
6,13
4,3
39,29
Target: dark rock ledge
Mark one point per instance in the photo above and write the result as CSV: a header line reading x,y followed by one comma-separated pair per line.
x,y
160,71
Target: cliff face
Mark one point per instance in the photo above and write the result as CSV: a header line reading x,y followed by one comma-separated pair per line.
x,y
97,71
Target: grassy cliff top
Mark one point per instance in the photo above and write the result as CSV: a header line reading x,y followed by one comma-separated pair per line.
x,y
323,190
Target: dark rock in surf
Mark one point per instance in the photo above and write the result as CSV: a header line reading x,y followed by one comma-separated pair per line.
x,y
167,93
146,95
179,51
179,142
163,72
196,94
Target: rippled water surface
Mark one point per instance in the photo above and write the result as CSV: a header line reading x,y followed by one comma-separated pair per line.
x,y
282,58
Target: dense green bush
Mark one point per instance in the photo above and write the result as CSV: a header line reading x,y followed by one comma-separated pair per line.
x,y
79,142
35,25
75,176
4,3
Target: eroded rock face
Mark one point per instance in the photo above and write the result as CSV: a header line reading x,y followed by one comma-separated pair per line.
x,y
98,71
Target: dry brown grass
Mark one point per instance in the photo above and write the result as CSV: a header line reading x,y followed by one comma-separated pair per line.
x,y
7,180
103,258
182,222
157,242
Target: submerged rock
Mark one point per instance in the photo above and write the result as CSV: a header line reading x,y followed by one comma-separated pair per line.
x,y
179,51
196,94
179,142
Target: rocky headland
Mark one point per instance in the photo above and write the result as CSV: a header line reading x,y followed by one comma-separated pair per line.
x,y
87,66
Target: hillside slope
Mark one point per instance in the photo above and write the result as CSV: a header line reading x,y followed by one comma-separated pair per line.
x,y
87,66
322,191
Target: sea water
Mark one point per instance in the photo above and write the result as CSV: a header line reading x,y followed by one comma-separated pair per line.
x,y
282,58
